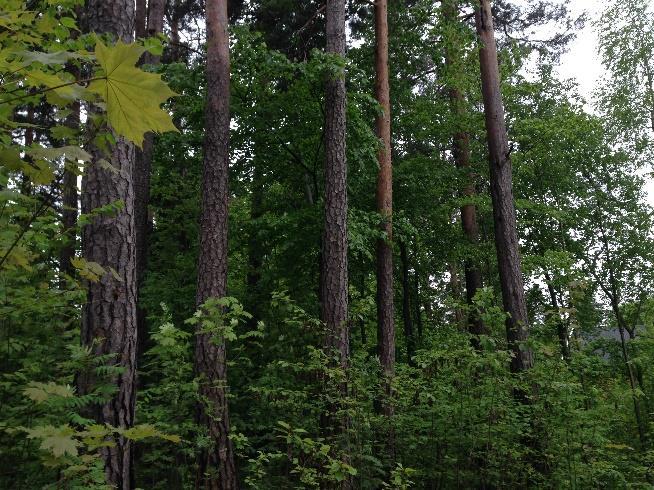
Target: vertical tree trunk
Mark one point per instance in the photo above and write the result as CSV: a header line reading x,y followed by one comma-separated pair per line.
x,y
334,280
141,18
406,305
142,170
109,316
385,316
561,329
216,464
69,204
504,215
461,151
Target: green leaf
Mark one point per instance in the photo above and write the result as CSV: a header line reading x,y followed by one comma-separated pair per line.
x,y
133,97
56,440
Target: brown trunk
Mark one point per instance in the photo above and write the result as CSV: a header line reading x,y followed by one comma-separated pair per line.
x,y
142,170
334,283
385,317
140,21
109,316
504,215
216,469
69,204
406,305
461,152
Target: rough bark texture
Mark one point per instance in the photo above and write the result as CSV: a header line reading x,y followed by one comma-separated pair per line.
x,y
216,465
142,169
334,281
461,152
385,314
109,316
141,18
504,215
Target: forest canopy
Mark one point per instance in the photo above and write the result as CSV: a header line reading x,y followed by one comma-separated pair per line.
x,y
324,244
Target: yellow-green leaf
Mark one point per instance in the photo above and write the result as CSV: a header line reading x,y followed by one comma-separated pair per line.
x,y
133,97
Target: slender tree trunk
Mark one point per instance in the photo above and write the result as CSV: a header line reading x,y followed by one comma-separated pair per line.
x,y
406,305
385,316
504,215
334,281
142,170
109,316
416,299
461,151
69,204
216,468
561,329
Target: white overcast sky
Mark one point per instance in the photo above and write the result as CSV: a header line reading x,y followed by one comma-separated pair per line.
x,y
582,62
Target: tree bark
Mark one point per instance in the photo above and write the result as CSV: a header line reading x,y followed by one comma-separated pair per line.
x,y
216,468
141,18
69,204
109,316
461,152
142,171
385,314
334,279
504,215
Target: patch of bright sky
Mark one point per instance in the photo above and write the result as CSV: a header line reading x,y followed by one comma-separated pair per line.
x,y
582,63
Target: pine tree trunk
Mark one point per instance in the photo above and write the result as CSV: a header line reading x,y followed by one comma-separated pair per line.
x,y
109,316
385,314
504,215
69,203
216,465
141,18
142,170
334,280
461,152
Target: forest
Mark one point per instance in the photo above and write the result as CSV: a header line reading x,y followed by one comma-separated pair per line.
x,y
330,244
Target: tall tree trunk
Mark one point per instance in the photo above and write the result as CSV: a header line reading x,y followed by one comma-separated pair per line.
x,y
216,469
142,170
504,215
109,316
385,316
406,305
461,151
69,204
334,280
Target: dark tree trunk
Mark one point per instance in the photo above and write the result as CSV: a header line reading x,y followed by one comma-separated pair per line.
x,y
385,317
561,328
69,203
142,170
461,151
216,469
141,18
109,316
334,281
406,305
504,215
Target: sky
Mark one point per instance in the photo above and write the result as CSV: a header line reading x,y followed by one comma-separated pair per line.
x,y
582,62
